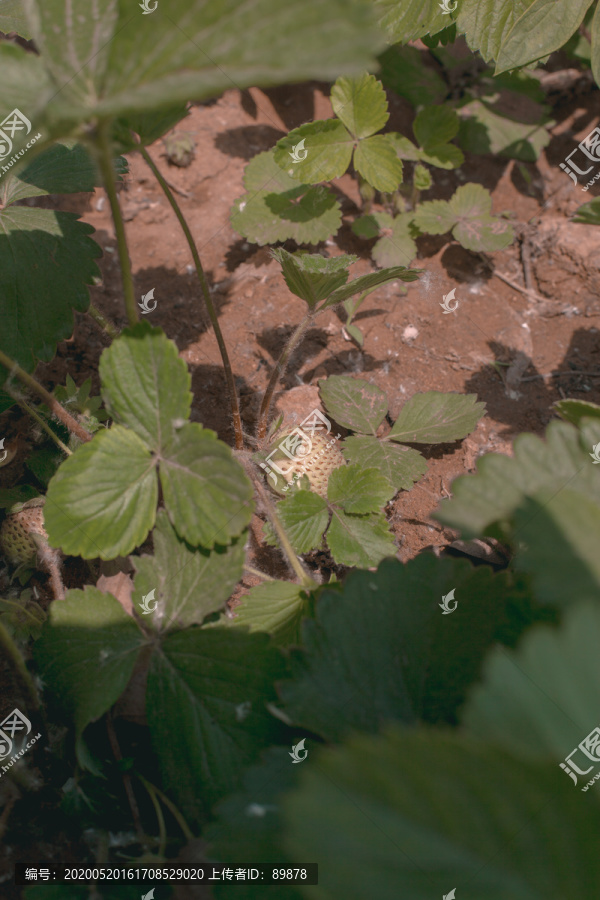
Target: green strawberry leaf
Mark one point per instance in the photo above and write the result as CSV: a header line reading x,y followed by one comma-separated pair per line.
x,y
278,607
49,254
575,410
403,72
436,418
325,152
360,103
87,632
487,23
406,22
589,213
467,214
402,466
146,385
377,161
435,125
422,178
207,697
12,18
304,516
354,403
207,493
357,490
190,583
311,276
415,813
102,500
277,208
148,126
399,246
501,483
117,63
360,541
541,29
370,282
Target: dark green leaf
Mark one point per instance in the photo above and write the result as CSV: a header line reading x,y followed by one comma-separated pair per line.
x,y
354,403
402,466
370,282
360,541
313,277
358,490
278,607
304,516
436,418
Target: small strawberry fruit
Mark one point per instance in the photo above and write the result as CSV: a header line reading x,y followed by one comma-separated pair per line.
x,y
317,462
24,542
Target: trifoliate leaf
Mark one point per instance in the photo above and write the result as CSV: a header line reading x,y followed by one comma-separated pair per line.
x,y
361,104
360,541
102,501
207,493
377,161
190,584
354,403
467,215
87,632
146,385
435,418
313,277
325,153
46,262
358,490
207,695
402,466
277,607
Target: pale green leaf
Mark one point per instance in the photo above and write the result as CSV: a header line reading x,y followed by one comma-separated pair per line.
x,y
575,410
311,276
436,418
46,262
277,607
358,490
543,28
360,541
589,213
403,146
443,156
485,131
434,217
206,705
304,516
146,385
190,584
12,18
207,493
325,153
353,402
407,20
399,246
501,483
422,179
419,814
402,466
361,104
467,214
87,633
102,501
377,161
370,282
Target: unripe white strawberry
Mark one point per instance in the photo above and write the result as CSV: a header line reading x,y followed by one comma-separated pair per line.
x,y
16,542
317,462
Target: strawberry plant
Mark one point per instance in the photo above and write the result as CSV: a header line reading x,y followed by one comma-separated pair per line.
x,y
167,710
